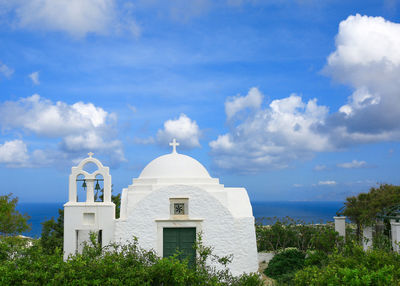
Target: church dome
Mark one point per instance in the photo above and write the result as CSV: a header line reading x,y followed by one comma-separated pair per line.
x,y
174,165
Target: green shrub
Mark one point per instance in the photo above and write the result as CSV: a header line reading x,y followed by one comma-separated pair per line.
x,y
284,264
381,241
53,233
316,258
113,265
11,221
286,232
352,266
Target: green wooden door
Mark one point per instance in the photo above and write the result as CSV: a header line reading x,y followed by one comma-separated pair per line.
x,y
181,239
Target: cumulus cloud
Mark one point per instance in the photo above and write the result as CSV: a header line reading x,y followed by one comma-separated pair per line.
x,y
14,153
273,136
352,165
185,130
237,103
327,183
35,77
80,126
74,17
43,117
5,70
367,57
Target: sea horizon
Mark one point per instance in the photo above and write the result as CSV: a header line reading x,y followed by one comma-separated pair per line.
x,y
306,211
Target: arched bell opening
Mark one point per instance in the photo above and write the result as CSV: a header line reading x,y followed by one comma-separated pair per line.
x,y
90,167
99,188
81,188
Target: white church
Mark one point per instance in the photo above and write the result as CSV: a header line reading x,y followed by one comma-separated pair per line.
x,y
172,201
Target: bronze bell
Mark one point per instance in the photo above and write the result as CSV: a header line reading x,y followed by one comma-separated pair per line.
x,y
97,186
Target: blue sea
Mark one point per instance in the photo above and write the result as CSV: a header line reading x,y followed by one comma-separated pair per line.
x,y
309,212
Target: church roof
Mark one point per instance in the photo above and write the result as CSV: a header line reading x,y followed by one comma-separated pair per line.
x,y
174,165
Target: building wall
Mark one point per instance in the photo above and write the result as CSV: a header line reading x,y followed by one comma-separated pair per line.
x,y
228,234
75,220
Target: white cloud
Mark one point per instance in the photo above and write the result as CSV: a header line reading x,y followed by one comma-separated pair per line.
x,y
353,164
5,70
35,77
327,183
14,153
271,137
237,103
80,126
364,40
367,57
43,117
90,140
185,130
75,17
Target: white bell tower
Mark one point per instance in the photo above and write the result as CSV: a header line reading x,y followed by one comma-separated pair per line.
x,y
82,218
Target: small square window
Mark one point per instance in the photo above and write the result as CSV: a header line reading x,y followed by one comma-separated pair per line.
x,y
88,218
179,208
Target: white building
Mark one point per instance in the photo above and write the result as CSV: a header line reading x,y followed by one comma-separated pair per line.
x,y
172,201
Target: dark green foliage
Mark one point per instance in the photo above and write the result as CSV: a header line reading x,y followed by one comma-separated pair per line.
x,y
116,199
291,233
11,245
53,233
284,264
382,242
11,221
317,258
364,208
113,265
352,266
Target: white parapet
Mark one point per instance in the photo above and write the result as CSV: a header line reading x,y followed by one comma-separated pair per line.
x,y
340,225
395,226
367,238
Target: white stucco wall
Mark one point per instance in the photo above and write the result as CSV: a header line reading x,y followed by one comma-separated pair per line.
x,y
74,220
228,233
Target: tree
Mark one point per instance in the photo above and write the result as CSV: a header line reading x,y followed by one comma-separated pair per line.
x,y
12,222
53,233
364,208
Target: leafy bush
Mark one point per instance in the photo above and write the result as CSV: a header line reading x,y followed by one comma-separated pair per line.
x,y
11,221
115,264
287,232
352,266
316,258
284,264
53,233
381,241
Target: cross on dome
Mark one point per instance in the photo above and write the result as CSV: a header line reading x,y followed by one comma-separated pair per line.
x,y
174,144
90,154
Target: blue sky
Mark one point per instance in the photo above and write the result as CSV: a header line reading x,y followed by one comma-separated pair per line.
x,y
294,100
